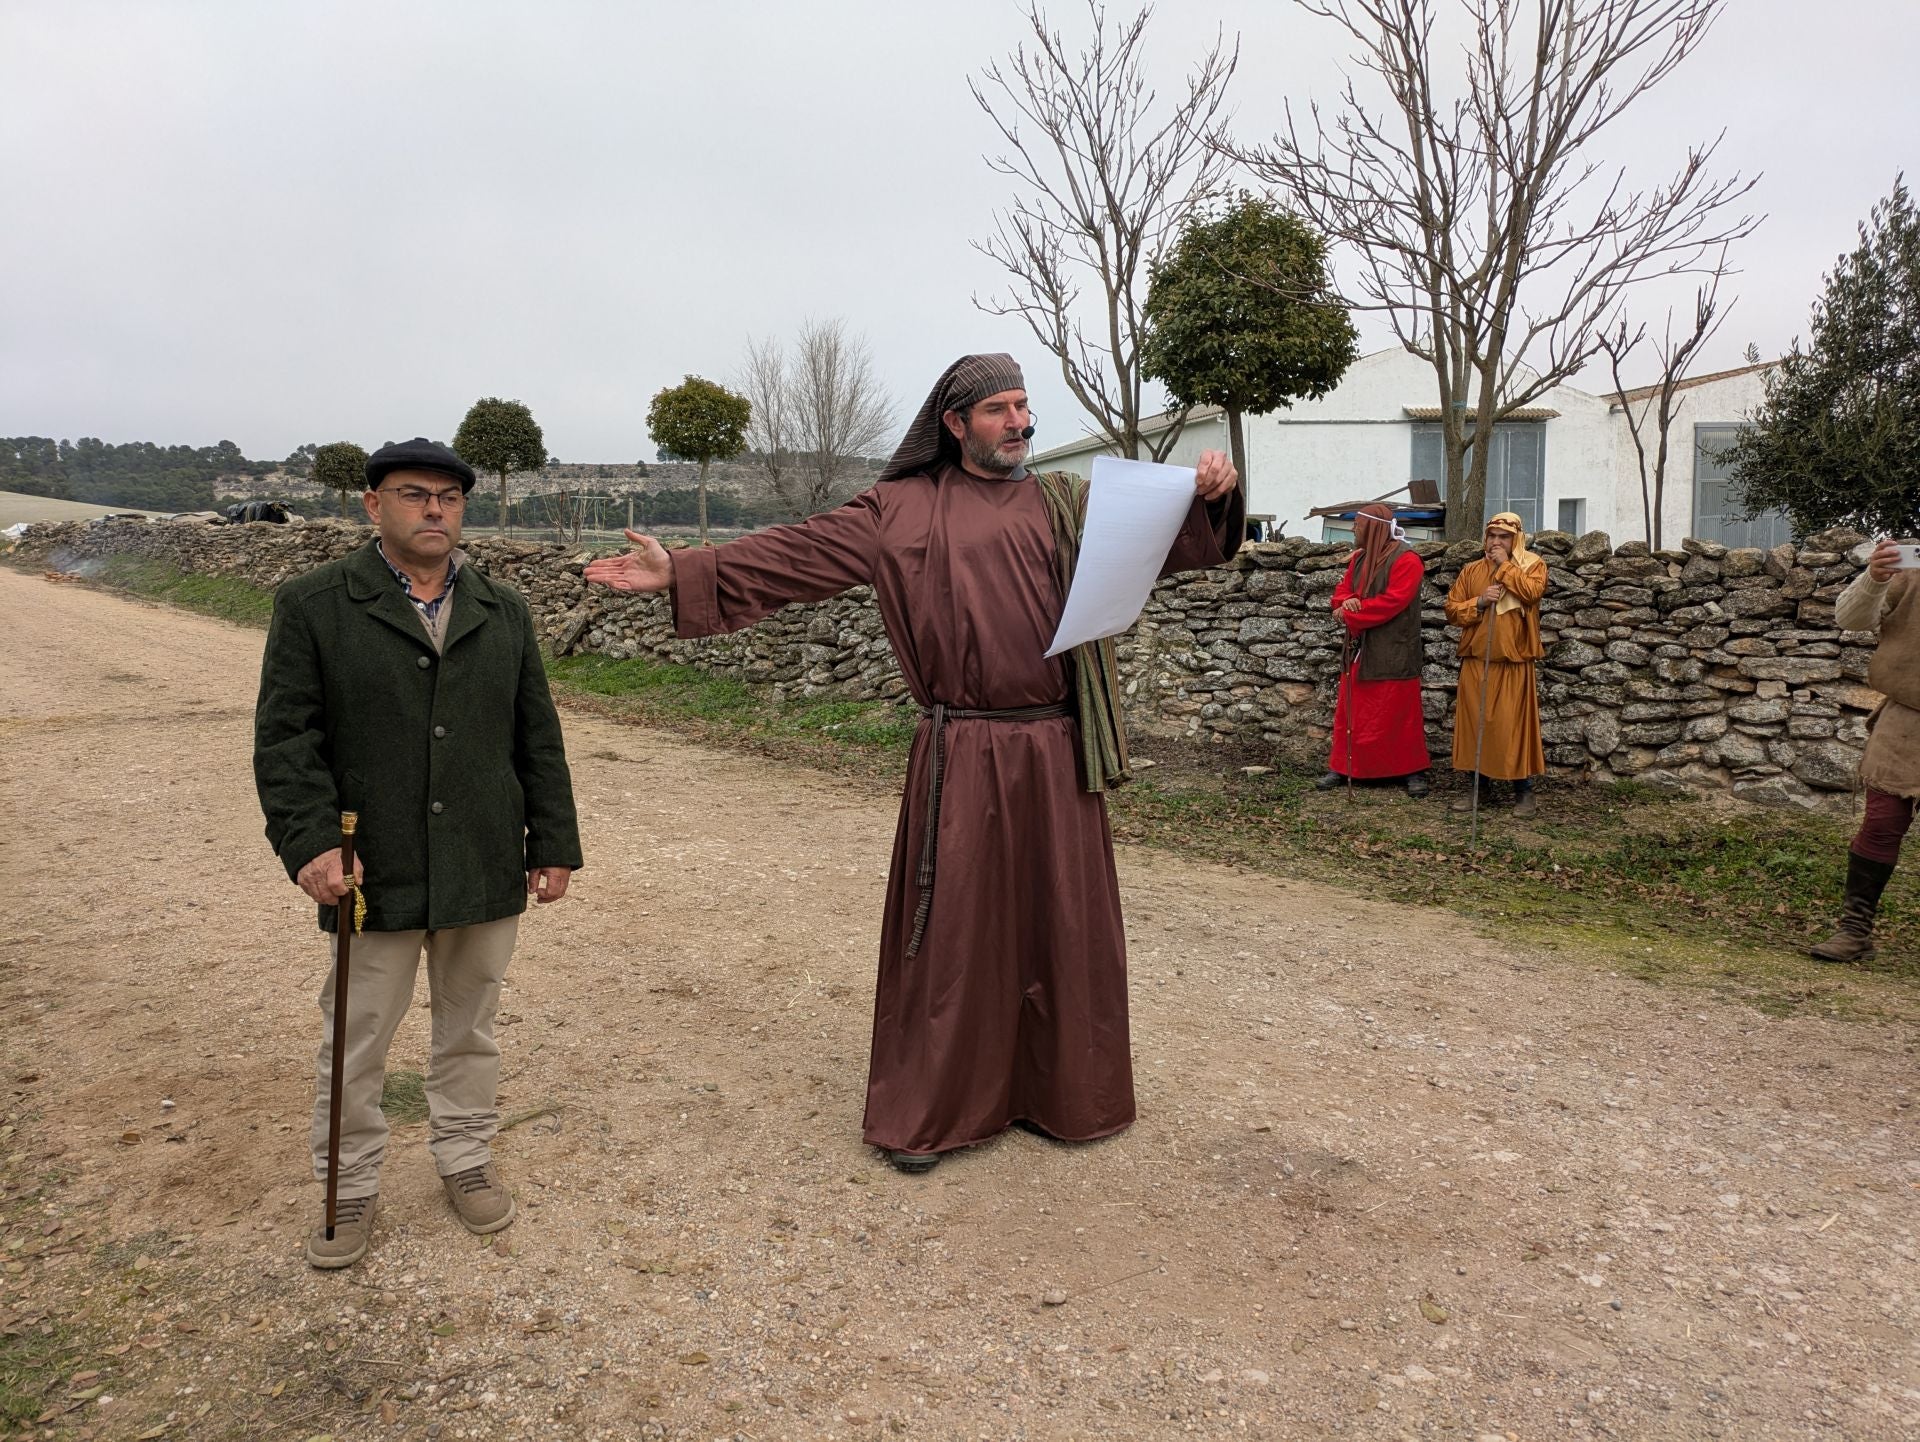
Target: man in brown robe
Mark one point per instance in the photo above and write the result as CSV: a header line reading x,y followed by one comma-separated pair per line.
x,y
1495,602
1002,993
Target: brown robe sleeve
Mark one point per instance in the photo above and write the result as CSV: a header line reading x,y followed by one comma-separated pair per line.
x,y
1211,533
722,588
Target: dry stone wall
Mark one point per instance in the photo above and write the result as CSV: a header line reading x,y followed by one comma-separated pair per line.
x,y
1701,668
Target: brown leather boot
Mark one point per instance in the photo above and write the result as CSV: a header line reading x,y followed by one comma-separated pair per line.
x,y
1866,879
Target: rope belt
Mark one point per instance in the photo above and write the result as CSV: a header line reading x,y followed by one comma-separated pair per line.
x,y
940,713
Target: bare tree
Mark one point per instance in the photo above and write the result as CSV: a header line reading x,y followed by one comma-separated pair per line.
x,y
566,511
842,413
818,413
1498,253
1106,175
1661,400
762,379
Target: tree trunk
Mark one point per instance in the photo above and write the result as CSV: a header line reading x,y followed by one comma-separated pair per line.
x,y
1237,444
703,500
343,504
1462,518
504,528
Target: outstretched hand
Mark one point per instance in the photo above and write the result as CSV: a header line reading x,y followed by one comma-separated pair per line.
x,y
646,567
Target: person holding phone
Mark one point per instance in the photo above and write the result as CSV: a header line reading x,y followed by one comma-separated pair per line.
x,y
1884,598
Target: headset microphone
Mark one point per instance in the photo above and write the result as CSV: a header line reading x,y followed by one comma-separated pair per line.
x,y
1027,434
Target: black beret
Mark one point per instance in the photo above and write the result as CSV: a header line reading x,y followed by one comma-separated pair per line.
x,y
418,454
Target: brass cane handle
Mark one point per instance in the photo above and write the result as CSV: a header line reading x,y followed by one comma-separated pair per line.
x,y
349,823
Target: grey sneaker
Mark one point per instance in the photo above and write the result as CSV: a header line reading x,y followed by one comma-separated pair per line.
x,y
352,1231
481,1198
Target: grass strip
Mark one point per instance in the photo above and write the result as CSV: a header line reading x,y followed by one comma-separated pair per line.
x,y
862,737
1676,888
228,597
1667,887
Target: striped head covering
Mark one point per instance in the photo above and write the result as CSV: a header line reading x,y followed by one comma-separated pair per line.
x,y
1509,524
971,378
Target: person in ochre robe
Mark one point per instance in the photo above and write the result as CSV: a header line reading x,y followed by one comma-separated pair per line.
x,y
1378,728
1002,993
1501,590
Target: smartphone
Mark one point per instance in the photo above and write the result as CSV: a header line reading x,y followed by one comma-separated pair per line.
x,y
1909,556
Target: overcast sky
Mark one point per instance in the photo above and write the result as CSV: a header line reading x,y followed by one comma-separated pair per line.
x,y
286,223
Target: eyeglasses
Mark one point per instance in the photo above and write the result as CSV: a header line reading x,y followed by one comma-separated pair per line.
x,y
416,497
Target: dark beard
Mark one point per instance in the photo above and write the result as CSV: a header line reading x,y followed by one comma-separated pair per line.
x,y
985,455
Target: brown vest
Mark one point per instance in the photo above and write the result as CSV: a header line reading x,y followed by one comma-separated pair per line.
x,y
1392,651
1895,669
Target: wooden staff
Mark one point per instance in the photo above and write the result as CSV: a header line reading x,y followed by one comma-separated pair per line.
x,y
1347,659
345,918
1480,736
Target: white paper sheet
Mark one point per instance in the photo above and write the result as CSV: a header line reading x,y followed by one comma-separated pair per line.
x,y
1134,511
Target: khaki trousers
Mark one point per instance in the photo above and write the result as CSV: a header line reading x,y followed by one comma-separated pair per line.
x,y
465,965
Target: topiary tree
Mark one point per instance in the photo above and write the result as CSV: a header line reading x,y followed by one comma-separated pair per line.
x,y
1837,439
1239,315
500,436
341,466
702,422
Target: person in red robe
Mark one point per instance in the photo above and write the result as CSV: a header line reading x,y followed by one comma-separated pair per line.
x,y
1002,991
1379,730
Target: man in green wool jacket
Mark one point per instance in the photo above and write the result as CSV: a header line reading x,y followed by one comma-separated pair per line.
x,y
401,684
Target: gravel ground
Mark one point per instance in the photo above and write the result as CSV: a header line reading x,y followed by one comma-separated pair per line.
x,y
1393,1176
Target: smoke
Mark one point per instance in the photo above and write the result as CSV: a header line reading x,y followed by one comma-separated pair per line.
x,y
63,560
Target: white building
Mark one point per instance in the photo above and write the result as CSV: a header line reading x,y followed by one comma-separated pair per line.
x,y
1567,462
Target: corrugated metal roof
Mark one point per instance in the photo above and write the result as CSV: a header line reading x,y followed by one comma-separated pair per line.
x,y
1525,413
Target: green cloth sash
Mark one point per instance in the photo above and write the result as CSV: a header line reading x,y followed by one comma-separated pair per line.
x,y
1094,668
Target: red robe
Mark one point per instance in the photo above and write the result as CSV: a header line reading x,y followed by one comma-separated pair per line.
x,y
1388,735
1015,1007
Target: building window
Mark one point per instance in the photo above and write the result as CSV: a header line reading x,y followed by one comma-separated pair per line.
x,y
1716,500
1516,467
1573,517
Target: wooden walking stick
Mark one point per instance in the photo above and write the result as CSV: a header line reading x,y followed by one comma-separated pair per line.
x,y
1480,735
1347,662
351,913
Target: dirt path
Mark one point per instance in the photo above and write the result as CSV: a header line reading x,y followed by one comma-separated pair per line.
x,y
1391,1178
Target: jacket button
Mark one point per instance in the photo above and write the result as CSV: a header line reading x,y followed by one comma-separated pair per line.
x,y
422,662
438,807
438,732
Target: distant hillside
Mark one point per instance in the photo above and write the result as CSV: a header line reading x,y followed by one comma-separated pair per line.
x,y
136,474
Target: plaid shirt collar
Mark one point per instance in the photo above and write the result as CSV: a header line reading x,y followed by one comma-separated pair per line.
x,y
430,610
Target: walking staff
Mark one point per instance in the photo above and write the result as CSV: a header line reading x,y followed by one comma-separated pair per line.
x,y
350,916
1480,738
